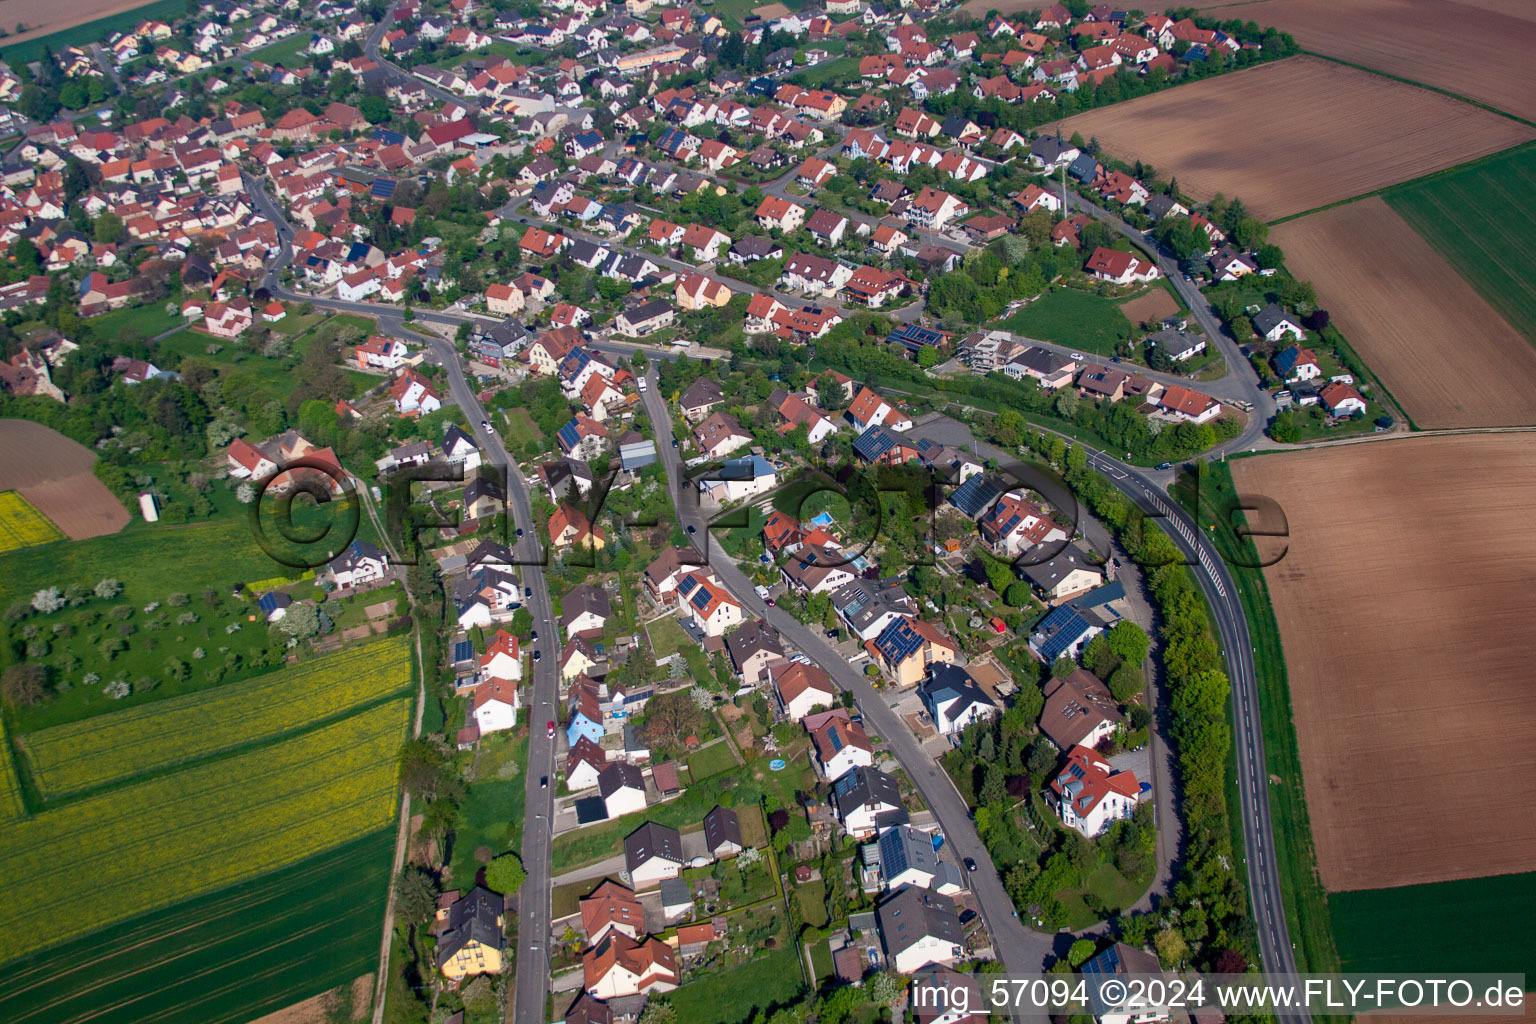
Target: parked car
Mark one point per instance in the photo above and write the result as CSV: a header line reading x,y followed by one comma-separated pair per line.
x,y
970,864
549,729
543,781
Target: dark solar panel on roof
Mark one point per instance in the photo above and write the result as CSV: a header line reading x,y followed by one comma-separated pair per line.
x,y
382,188
463,650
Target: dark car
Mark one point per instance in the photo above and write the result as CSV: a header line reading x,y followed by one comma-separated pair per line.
x,y
967,915
527,591
674,442
1165,465
533,634
535,655
543,781
970,865
519,531
768,602
691,530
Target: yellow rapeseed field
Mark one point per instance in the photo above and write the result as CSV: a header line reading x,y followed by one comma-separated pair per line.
x,y
110,856
11,807
21,525
82,755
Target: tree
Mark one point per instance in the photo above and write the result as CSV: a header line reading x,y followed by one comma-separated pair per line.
x,y
1126,682
415,895
1171,948
1129,641
886,988
301,622
928,357
1081,950
480,996
375,109
108,588
657,1012
1042,759
108,228
24,684
671,717
48,600
505,874
1063,667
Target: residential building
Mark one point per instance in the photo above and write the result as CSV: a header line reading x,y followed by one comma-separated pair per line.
x,y
907,647
1079,711
651,853
471,939
620,966
708,605
954,701
801,688
867,800
1089,795
722,833
611,908
622,789
919,928
755,648
840,743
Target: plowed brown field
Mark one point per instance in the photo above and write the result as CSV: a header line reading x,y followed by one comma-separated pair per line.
x,y
1296,134
1428,41
55,475
1407,612
1443,352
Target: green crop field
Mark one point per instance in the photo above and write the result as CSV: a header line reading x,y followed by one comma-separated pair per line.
x,y
227,957
1476,924
107,748
1477,217
837,71
1090,323
108,857
92,31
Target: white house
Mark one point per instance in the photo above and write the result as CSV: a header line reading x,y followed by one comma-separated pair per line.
x,y
840,743
1118,267
360,564
1089,795
502,658
919,928
865,799
801,688
954,701
460,449
868,409
708,605
1274,323
622,788
582,765
495,705
740,479
653,852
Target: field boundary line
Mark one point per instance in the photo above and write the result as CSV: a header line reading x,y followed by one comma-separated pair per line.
x,y
1420,180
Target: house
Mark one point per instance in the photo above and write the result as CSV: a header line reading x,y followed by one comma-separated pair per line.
x,y
700,398
816,569
577,658
584,611
494,705
584,714
582,765
722,833
710,607
664,572
1273,323
754,650
867,800
1014,523
569,527
1176,344
944,996
797,412
1341,400
906,857
461,450
879,446
645,319
1049,153
1230,265
483,498
503,299
873,287
1061,577
1064,631
907,647
1117,961
380,353
705,243
611,908
801,688
840,744
359,565
502,658
815,275
582,437
775,214
413,395
653,852
954,701
827,227
620,966
739,479
1079,711
1089,795
471,939
934,208
719,435
919,928
696,291
1120,268
1293,363
866,607
868,409
622,788
1185,404
547,351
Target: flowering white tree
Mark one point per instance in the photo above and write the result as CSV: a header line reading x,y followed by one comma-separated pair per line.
x,y
48,600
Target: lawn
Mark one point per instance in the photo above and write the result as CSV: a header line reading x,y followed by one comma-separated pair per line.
x,y
22,526
105,858
667,637
837,71
732,997
812,898
1476,217
821,960
1066,316
148,320
230,956
1111,889
711,760
1476,924
287,52
492,812
150,737
519,431
792,498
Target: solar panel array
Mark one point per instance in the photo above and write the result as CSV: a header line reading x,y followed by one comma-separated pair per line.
x,y
973,496
899,641
463,650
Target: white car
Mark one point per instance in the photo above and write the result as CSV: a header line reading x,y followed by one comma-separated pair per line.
x,y
642,385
